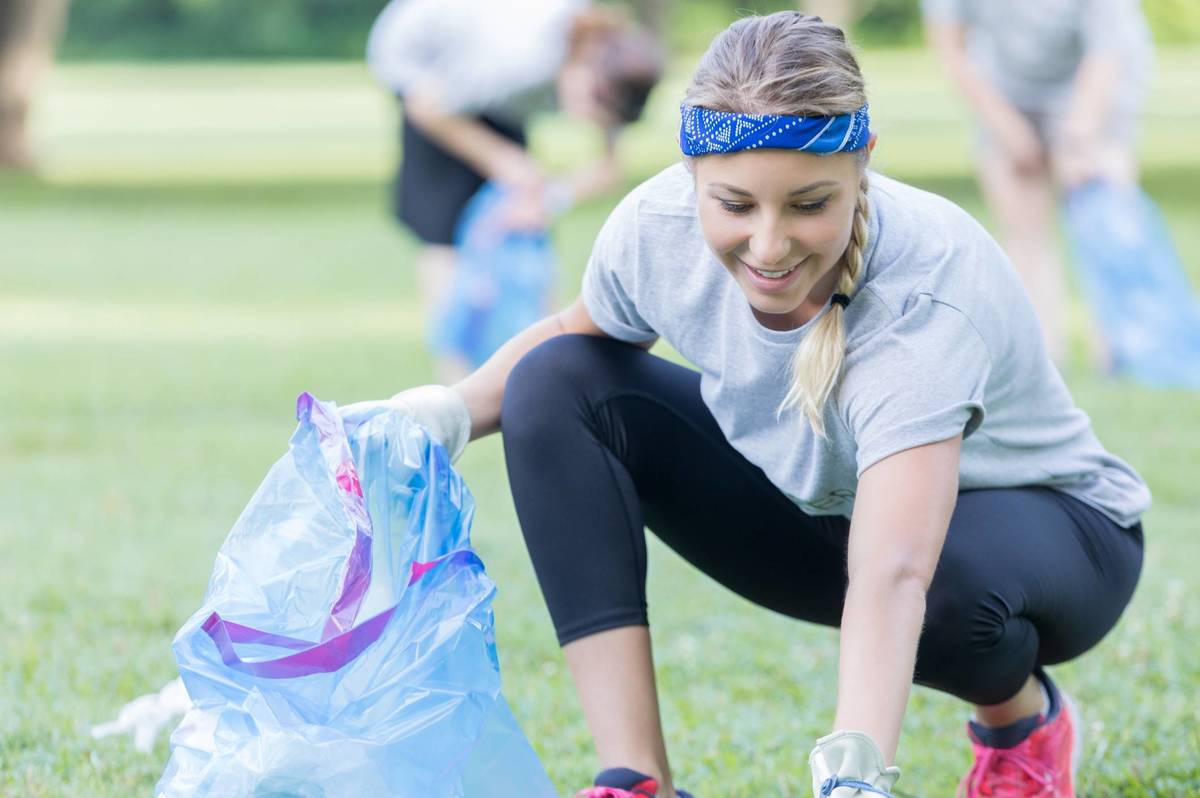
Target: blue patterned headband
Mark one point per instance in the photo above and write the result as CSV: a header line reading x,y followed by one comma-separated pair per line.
x,y
704,131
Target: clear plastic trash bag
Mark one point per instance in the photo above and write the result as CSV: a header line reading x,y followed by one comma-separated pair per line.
x,y
504,282
345,646
1139,293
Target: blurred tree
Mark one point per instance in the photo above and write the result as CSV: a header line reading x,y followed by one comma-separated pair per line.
x,y
220,28
653,14
29,31
843,13
1174,21
338,28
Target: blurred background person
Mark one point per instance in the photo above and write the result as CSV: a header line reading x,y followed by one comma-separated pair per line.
x,y
29,33
1056,87
469,75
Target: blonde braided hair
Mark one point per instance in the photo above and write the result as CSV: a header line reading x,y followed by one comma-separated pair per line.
x,y
817,364
795,64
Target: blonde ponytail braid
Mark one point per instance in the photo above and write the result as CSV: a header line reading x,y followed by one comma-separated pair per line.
x,y
817,364
798,65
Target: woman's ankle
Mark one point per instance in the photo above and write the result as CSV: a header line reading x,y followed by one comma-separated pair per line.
x,y
1029,701
648,776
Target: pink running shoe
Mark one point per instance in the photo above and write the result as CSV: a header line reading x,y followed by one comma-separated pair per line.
x,y
646,788
616,792
1042,765
624,783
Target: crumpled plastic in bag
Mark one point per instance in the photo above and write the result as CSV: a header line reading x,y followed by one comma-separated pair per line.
x,y
503,282
145,716
345,645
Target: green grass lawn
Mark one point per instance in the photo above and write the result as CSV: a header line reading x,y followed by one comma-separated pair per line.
x,y
208,241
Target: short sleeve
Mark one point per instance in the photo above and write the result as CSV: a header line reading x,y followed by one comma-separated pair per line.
x,y
918,381
404,40
610,283
1110,25
944,11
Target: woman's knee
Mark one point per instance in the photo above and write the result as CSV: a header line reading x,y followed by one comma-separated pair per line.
x,y
974,645
554,378
548,369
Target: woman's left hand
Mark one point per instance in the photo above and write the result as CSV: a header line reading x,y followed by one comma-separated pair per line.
x,y
848,764
1077,153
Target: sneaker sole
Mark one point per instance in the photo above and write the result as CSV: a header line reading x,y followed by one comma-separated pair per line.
x,y
1077,742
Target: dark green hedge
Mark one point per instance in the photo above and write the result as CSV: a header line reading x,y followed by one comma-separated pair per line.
x,y
338,28
218,28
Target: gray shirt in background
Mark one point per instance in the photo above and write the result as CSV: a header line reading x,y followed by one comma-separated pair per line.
x,y
1031,49
941,339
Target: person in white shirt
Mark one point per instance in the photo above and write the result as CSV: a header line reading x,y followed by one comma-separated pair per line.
x,y
469,74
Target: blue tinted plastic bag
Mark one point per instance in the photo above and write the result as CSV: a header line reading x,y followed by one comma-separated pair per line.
x,y
1138,291
504,282
345,646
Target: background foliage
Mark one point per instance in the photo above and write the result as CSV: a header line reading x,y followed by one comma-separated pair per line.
x,y
337,28
208,239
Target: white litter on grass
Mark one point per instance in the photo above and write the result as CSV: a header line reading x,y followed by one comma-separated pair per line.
x,y
145,716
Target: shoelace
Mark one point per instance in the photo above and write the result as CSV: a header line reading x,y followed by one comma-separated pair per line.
x,y
1017,783
833,782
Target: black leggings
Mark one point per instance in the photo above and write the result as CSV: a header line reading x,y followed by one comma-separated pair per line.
x,y
603,439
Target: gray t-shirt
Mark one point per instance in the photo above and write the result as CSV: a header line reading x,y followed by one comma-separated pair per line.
x,y
1031,49
941,339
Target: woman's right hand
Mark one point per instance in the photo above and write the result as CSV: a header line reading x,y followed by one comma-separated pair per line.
x,y
848,764
437,408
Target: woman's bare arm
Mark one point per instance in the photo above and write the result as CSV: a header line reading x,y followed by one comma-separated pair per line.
x,y
485,150
483,390
994,111
901,516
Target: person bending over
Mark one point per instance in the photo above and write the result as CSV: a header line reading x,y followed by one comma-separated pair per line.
x,y
1055,87
469,74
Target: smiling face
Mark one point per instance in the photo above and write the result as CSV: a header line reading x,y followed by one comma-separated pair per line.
x,y
779,221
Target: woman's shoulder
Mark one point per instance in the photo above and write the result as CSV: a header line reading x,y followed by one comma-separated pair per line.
x,y
923,242
929,248
671,192
911,210
660,211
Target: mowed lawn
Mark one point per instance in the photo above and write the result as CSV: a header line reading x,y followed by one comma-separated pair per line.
x,y
209,240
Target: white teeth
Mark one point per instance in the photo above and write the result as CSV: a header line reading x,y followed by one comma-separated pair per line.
x,y
774,275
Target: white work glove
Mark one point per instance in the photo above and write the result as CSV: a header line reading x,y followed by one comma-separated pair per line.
x,y
848,764
437,408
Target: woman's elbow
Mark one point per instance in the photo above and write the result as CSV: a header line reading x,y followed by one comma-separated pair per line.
x,y
899,574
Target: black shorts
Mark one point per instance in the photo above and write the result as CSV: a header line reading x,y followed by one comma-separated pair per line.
x,y
432,187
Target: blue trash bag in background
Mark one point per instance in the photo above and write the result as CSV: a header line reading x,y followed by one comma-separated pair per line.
x,y
504,282
1137,288
345,647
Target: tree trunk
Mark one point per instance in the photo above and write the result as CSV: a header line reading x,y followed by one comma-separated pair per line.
x,y
29,33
